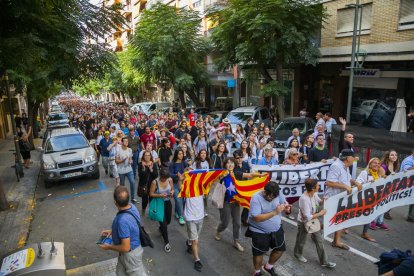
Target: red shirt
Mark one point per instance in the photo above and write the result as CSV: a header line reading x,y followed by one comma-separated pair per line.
x,y
191,118
148,138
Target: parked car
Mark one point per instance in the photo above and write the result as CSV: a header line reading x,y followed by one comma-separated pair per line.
x,y
241,114
284,130
57,119
149,107
67,154
218,116
55,108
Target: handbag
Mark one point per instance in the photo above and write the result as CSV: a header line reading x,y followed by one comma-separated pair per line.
x,y
142,190
156,210
217,199
312,226
143,235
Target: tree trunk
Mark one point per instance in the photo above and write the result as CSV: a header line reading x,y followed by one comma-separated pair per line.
x,y
32,109
280,99
194,98
4,204
181,96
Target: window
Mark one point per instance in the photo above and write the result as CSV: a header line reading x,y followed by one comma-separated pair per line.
x,y
406,15
345,20
197,4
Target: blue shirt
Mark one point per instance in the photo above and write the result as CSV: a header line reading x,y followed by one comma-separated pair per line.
x,y
104,147
263,161
259,205
126,131
126,226
407,163
329,124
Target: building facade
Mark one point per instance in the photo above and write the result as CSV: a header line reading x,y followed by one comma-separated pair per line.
x,y
385,63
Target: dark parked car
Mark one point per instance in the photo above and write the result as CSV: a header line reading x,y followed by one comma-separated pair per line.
x,y
284,130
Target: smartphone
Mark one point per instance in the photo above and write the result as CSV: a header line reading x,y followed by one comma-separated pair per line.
x,y
101,240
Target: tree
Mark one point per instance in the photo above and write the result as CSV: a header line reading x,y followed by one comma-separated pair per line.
x,y
268,34
170,50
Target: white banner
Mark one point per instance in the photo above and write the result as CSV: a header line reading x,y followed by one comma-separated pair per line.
x,y
362,207
291,178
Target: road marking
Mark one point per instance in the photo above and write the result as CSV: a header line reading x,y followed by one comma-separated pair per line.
x,y
101,187
351,249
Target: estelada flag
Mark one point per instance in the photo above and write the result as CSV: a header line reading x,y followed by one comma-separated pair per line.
x,y
198,182
247,188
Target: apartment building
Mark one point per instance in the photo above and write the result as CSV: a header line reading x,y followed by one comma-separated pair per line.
x,y
385,62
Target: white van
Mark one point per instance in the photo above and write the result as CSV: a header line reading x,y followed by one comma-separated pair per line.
x,y
149,107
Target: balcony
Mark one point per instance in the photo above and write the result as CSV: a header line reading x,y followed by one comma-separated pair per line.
x,y
214,3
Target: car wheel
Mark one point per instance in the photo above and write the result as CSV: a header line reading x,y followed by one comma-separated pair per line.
x,y
96,175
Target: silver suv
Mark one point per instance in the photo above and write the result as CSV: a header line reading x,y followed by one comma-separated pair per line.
x,y
67,154
241,114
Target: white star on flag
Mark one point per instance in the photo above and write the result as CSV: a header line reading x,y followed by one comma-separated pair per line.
x,y
231,188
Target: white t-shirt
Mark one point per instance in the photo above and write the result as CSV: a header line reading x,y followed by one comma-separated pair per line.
x,y
194,208
204,165
124,167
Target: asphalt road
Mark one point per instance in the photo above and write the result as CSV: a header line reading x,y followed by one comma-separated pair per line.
x,y
75,211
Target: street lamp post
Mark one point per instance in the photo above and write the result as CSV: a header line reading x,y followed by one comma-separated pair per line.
x,y
5,78
357,7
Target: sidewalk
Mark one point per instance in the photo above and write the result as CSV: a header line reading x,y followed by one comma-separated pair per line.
x,y
15,223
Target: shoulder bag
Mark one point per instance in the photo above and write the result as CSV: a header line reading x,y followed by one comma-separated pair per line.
x,y
312,226
143,235
156,210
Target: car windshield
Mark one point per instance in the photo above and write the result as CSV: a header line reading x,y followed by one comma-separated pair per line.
x,y
56,117
289,125
239,117
66,142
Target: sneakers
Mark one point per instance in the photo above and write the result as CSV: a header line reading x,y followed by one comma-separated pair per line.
x,y
198,265
217,236
329,265
238,246
271,271
181,221
134,201
383,226
176,215
189,249
373,225
258,273
387,215
167,248
301,259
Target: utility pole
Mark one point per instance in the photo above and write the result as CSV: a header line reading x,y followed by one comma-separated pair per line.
x,y
357,7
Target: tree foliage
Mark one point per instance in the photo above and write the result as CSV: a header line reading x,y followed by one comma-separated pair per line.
x,y
170,48
267,34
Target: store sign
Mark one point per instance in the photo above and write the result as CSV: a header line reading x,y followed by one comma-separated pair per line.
x,y
367,73
231,83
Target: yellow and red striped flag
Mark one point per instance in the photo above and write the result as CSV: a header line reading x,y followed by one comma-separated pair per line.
x,y
247,188
198,182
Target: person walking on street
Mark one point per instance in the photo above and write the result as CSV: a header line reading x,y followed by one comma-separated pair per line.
x,y
25,147
123,159
265,227
147,172
338,180
177,167
104,144
408,164
134,144
163,188
125,236
309,204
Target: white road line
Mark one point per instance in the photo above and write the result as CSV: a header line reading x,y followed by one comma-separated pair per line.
x,y
353,250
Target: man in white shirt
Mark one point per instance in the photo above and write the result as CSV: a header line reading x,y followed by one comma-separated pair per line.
x,y
338,180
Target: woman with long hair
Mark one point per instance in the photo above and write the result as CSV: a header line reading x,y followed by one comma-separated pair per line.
x,y
200,141
391,164
188,156
219,156
228,137
253,145
176,169
163,188
306,147
147,172
165,153
240,135
372,172
260,129
233,209
246,152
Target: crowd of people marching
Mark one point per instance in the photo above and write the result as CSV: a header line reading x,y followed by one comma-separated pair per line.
x,y
153,152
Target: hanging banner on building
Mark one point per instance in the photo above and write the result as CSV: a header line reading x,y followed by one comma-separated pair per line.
x,y
362,207
291,178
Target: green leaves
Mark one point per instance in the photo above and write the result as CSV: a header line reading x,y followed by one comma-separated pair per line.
x,y
274,88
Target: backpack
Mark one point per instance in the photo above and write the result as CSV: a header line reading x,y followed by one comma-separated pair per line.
x,y
389,260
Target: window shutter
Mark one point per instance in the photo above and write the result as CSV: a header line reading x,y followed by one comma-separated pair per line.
x,y
406,12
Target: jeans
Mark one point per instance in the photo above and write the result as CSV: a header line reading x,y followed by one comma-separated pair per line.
x,y
379,220
135,163
317,239
130,176
105,163
178,201
230,210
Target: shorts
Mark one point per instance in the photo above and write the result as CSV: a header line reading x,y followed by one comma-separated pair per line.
x,y
194,229
262,243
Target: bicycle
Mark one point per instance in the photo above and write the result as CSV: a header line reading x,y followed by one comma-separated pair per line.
x,y
18,168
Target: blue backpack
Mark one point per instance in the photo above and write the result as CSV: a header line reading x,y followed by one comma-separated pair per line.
x,y
389,260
